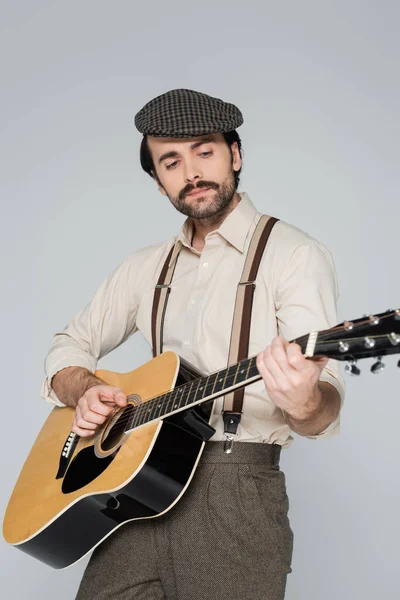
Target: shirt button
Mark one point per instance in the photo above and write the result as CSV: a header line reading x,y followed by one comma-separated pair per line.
x,y
193,301
205,265
186,343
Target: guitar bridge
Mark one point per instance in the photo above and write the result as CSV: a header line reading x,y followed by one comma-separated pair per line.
x,y
66,453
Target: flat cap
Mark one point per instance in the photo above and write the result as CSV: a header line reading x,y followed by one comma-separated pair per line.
x,y
186,113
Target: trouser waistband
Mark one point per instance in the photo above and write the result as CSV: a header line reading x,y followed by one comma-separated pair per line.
x,y
242,452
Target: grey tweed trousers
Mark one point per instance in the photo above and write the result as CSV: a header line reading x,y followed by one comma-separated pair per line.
x,y
228,537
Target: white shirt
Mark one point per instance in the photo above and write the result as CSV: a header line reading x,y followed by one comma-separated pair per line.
x,y
296,292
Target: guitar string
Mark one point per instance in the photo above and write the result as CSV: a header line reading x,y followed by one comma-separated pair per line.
x,y
321,338
143,409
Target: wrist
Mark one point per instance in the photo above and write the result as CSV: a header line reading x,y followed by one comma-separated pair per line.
x,y
308,411
71,383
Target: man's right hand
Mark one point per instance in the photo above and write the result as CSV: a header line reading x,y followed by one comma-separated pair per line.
x,y
92,398
95,406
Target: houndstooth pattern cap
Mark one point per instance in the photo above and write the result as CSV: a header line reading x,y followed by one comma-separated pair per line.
x,y
184,113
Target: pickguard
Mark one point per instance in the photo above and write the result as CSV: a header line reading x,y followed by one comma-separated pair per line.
x,y
85,468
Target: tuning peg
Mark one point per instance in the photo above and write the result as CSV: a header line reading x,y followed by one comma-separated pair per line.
x,y
352,369
398,364
378,366
369,343
394,339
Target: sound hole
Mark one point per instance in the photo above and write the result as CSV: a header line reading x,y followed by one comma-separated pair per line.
x,y
117,430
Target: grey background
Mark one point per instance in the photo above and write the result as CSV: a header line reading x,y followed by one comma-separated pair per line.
x,y
318,83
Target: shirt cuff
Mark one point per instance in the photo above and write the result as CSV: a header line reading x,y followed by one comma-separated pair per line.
x,y
334,428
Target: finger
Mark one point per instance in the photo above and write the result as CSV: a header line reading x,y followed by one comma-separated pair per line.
x,y
82,432
81,421
97,406
320,362
265,372
114,394
280,371
296,358
92,417
279,352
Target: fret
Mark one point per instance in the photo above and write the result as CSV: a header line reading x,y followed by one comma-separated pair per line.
x,y
201,387
158,406
236,372
141,415
231,375
189,391
180,395
248,368
149,409
219,381
197,389
211,384
240,373
172,402
253,371
130,414
206,385
222,375
215,382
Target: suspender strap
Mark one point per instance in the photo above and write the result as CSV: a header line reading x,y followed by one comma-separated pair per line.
x,y
240,335
160,298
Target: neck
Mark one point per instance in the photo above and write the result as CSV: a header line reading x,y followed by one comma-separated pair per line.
x,y
202,227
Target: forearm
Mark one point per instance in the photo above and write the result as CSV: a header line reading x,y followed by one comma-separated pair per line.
x,y
71,383
327,411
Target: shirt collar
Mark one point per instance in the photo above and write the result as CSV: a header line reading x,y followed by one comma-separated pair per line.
x,y
234,228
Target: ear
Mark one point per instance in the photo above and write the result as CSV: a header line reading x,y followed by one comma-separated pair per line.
x,y
236,159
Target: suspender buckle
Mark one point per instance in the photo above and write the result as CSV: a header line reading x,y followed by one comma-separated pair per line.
x,y
231,423
228,443
247,283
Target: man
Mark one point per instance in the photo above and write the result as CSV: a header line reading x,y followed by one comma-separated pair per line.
x,y
229,535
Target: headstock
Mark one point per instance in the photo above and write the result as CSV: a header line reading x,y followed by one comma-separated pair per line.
x,y
374,335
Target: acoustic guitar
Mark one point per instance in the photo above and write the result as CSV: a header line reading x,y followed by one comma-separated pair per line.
x,y
73,492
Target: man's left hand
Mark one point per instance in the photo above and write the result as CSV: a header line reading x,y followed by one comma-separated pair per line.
x,y
291,379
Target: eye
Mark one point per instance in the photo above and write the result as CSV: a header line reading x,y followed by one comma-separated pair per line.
x,y
205,154
171,165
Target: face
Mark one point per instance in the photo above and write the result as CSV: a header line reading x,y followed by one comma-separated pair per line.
x,y
197,174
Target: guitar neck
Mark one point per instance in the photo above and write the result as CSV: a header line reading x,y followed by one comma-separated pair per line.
x,y
352,340
203,389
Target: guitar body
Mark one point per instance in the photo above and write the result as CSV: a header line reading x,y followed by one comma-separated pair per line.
x,y
63,506
73,492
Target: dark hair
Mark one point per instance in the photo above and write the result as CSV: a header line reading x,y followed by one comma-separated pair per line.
x,y
148,165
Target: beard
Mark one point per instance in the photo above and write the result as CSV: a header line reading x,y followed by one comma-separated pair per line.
x,y
206,208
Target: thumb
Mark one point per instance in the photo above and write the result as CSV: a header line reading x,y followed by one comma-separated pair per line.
x,y
120,397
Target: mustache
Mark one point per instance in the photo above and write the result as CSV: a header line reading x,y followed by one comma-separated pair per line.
x,y
201,185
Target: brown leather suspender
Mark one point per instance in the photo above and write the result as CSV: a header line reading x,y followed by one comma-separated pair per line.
x,y
240,334
160,298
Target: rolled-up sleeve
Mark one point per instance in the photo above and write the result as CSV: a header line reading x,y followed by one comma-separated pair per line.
x,y
105,323
306,300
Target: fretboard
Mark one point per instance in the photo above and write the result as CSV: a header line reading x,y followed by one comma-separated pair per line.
x,y
199,390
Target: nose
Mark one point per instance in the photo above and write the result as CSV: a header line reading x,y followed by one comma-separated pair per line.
x,y
192,171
